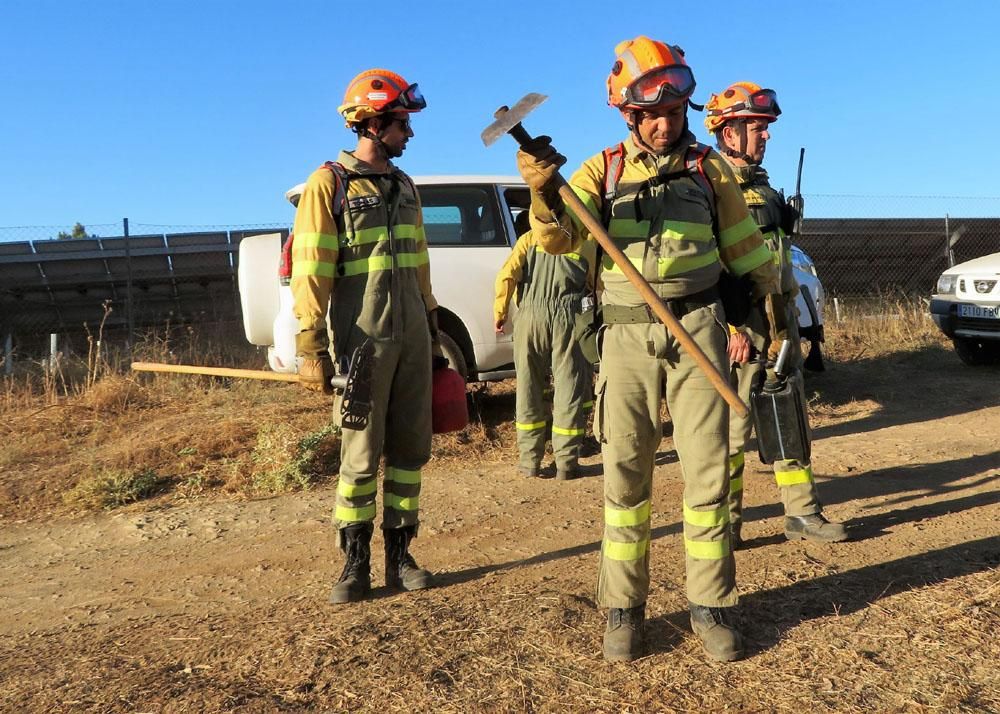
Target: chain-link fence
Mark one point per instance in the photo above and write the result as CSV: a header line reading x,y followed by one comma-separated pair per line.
x,y
123,278
865,246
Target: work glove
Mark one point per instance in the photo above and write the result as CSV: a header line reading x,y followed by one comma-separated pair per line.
x,y
774,306
316,369
539,163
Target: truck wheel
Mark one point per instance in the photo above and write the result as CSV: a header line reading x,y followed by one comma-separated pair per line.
x,y
454,354
977,353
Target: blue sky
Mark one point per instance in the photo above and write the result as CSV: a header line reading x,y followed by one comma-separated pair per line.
x,y
203,113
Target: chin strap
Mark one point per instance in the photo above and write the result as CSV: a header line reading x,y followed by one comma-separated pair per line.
x,y
740,126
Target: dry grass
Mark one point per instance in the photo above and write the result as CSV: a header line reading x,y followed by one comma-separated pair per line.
x,y
201,434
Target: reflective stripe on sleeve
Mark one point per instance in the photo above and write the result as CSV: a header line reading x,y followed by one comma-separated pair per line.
x,y
734,234
307,241
754,259
310,268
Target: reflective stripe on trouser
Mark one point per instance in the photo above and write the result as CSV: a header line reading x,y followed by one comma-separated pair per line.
x,y
635,362
399,428
544,342
798,490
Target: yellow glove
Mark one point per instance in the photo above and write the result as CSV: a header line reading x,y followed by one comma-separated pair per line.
x,y
774,306
317,367
315,374
539,165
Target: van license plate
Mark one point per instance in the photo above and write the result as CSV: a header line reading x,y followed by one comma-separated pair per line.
x,y
986,312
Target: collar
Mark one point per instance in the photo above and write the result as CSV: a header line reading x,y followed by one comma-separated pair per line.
x,y
749,174
637,154
355,165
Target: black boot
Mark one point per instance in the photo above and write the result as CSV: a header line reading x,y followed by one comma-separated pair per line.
x,y
718,629
401,570
355,582
623,636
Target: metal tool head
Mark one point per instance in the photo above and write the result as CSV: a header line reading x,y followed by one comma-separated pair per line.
x,y
507,119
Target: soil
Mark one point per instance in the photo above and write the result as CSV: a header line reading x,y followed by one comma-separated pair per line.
x,y
218,602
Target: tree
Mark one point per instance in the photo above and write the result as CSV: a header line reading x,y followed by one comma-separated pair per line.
x,y
79,231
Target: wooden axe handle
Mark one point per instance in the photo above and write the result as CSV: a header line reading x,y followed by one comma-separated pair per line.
x,y
214,371
596,229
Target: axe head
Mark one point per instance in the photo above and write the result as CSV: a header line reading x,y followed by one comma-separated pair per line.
x,y
507,119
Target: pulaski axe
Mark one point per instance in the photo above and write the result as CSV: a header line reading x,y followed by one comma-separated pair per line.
x,y
355,385
508,121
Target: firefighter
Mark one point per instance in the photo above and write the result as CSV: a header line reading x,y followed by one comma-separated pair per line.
x,y
673,206
359,253
740,118
550,291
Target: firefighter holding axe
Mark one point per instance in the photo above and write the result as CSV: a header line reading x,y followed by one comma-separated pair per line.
x,y
669,216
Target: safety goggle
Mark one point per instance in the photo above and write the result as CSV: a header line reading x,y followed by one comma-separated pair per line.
x,y
763,102
410,100
655,87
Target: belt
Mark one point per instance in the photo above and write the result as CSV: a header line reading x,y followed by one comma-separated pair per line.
x,y
627,315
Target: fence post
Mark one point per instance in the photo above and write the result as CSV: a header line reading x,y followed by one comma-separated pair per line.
x,y
8,354
128,287
949,251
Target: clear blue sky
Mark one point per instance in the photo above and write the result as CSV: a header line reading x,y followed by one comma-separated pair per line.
x,y
203,113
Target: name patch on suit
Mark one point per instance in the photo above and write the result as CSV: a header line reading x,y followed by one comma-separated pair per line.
x,y
362,203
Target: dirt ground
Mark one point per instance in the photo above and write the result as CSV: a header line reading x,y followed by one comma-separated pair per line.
x,y
212,601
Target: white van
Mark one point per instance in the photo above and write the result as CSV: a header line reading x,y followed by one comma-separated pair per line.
x,y
469,224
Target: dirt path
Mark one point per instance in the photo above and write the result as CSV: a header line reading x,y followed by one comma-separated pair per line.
x,y
221,605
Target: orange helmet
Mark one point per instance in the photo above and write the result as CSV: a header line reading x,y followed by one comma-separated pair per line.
x,y
648,73
741,100
377,91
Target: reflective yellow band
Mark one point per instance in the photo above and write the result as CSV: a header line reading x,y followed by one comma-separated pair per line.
x,y
345,513
352,490
626,228
588,201
306,241
401,503
624,518
625,551
718,516
735,485
707,550
530,427
402,475
572,256
588,405
683,230
568,432
380,233
384,262
667,267
754,259
793,478
734,234
736,461
310,268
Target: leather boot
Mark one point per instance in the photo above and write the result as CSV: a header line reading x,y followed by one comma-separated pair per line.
x,y
623,640
716,626
814,527
735,536
401,570
355,582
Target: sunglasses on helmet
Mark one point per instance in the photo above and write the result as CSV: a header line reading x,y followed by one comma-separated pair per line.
x,y
660,85
410,99
763,102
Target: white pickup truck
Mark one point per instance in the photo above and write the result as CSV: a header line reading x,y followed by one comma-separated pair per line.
x,y
469,223
966,306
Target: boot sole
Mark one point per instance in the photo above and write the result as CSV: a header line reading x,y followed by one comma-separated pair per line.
x,y
342,599
815,539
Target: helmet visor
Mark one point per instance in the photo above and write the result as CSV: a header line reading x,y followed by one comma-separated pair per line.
x,y
661,85
410,100
765,101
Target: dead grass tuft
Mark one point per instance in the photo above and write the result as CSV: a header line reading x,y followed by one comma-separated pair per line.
x,y
283,460
110,488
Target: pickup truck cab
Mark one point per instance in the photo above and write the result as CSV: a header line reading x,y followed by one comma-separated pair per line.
x,y
469,224
966,306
